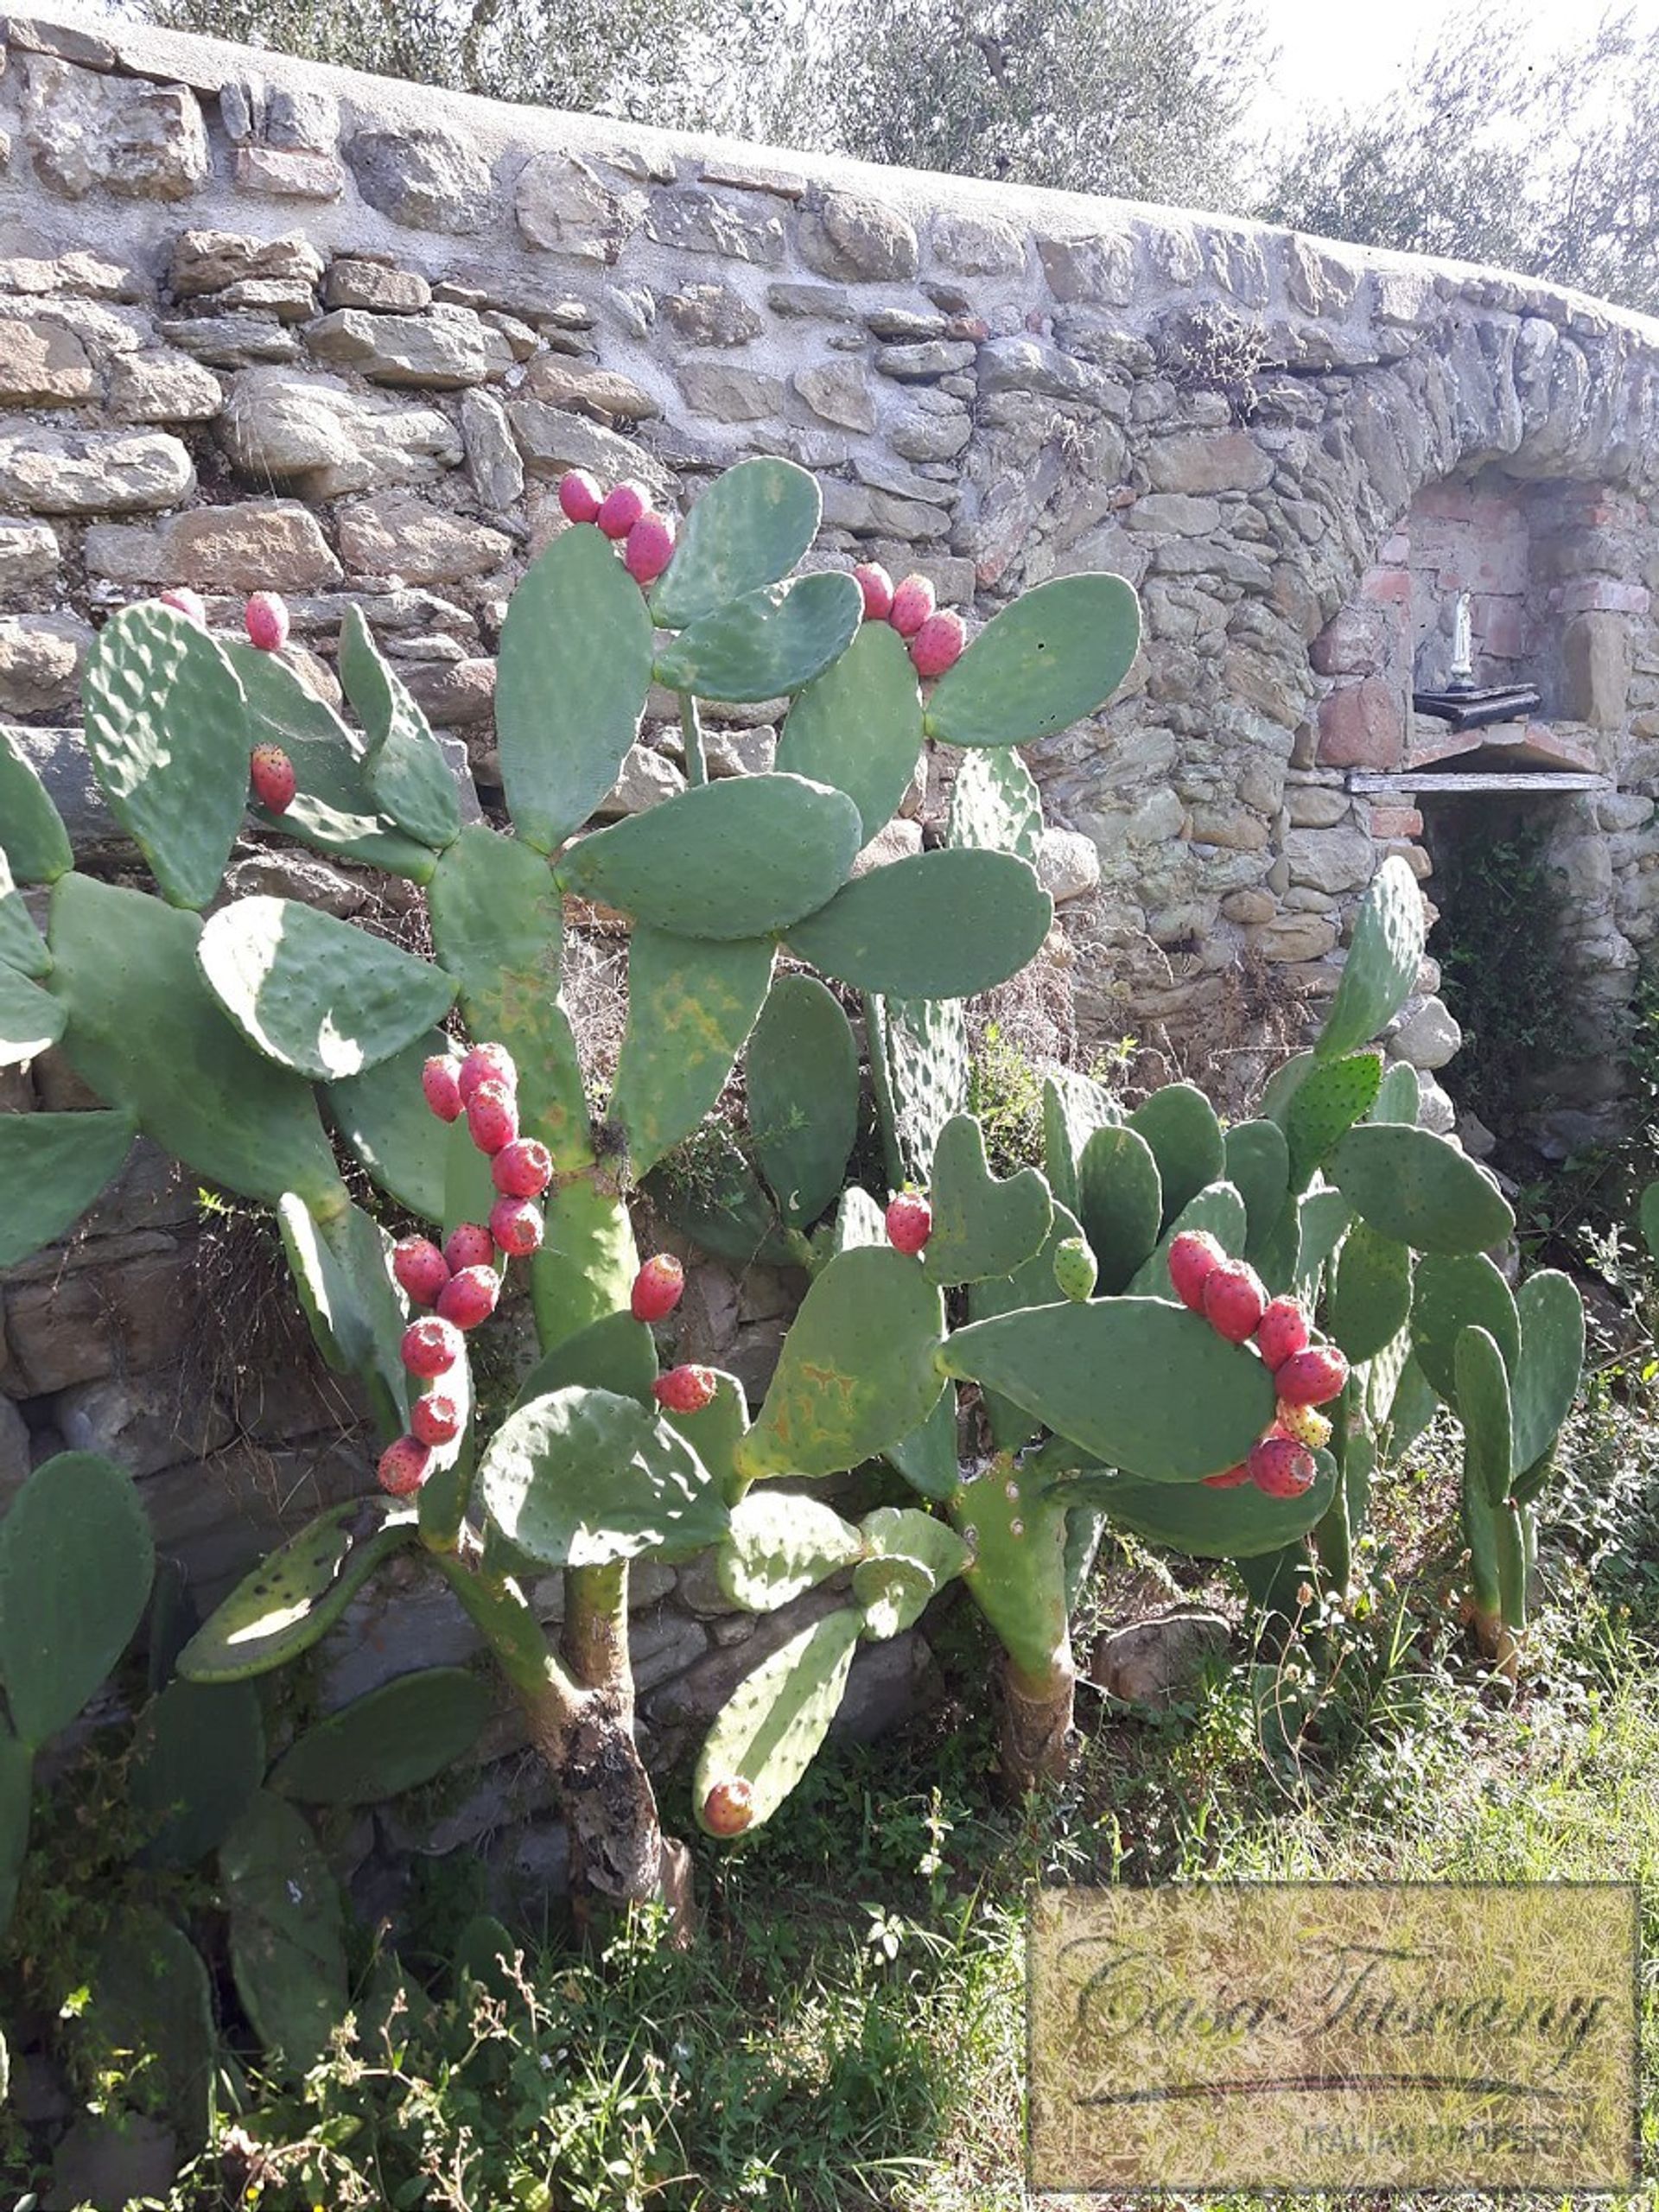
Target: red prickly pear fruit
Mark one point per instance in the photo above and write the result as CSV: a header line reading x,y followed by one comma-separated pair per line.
x,y
441,1086
522,1169
469,1298
468,1246
430,1347
492,1117
487,1063
516,1226
183,600
938,644
1234,1478
579,496
436,1418
421,1268
620,509
265,620
729,1806
1282,1332
403,1466
910,1222
1312,1377
685,1389
1304,1424
1194,1255
1234,1301
650,547
913,603
271,773
657,1288
1280,1467
876,585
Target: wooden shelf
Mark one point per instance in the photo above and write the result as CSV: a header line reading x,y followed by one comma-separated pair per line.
x,y
1426,782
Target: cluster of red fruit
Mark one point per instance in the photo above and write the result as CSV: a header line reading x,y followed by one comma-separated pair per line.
x,y
623,513
1234,1301
935,641
657,1289
265,619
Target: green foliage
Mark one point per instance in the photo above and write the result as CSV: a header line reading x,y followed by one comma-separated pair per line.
x,y
858,726
391,1740
690,1006
1039,665
982,1227
748,529
29,1021
803,1097
941,925
770,1729
286,1933
294,1597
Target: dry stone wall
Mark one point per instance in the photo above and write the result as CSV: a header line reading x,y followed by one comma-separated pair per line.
x,y
265,324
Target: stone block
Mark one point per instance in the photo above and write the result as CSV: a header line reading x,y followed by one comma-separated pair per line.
x,y
727,393
424,178
492,459
205,262
396,535
691,220
977,246
840,393
144,1423
1330,860
43,365
322,438
370,285
1362,726
1158,1663
443,350
1597,655
1209,461
93,472
40,658
163,387
137,140
712,315
28,553
552,439
1097,269
857,240
91,1322
274,543
563,205
1427,1036
231,341
602,393
289,175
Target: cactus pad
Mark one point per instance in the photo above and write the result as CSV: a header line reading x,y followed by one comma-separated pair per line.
x,y
780,1546
76,1558
383,1117
1205,1524
983,1225
942,925
1398,1096
571,680
858,1371
1053,656
737,859
715,1431
616,1354
32,834
1140,1385
1074,1107
343,1272
803,1096
1119,1204
1544,1380
918,1071
1455,1290
1483,1387
1336,1095
903,1532
404,767
404,1733
859,726
1180,1124
151,1997
1219,1210
52,1166
167,729
1371,1295
995,805
690,1005
287,1952
1034,1284
1323,1218
1258,1168
198,1757
1381,970
748,529
711,1194
768,643
22,947
927,1457
1422,1192
587,1262
770,1729
292,1598
314,993
892,1595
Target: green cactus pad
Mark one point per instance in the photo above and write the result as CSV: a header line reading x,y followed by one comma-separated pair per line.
x,y
741,858
147,1034
1483,1385
1383,957
711,1194
1336,1095
1205,1523
1219,1211
995,805
295,1595
167,729
16,1792
1514,1571
927,1457
287,1951
1324,1218
582,1477
23,948
983,1225
198,1757
858,1371
1421,1191
780,1547
1371,1295
859,726
1452,1292
617,1353
1010,1425
769,1732
571,680
408,1732
904,1532
52,1166
383,1116
1258,1168
1479,1526
587,1263
918,1071
32,834
768,643
1544,1379
1055,655
943,924
748,529
1180,1124
1074,1107
151,1994
1119,1204
498,925
1398,1096
314,993
1283,1084
76,1558
858,1220
892,1595
690,1006
1649,1216
803,1096
715,1431
333,809
404,765
1412,1407
343,1272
